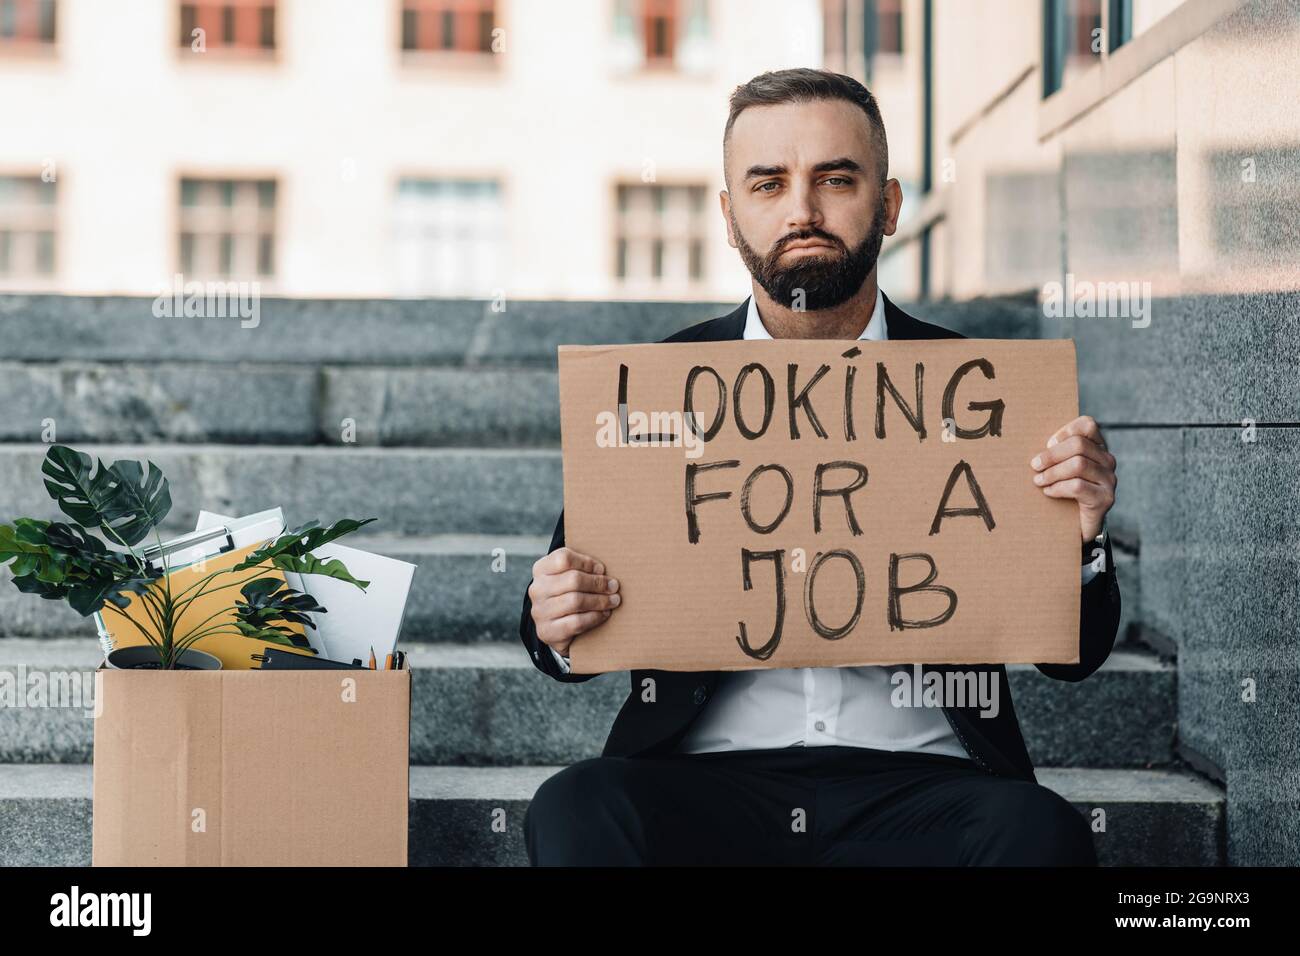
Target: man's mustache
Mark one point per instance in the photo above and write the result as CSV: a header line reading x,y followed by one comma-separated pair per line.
x,y
821,236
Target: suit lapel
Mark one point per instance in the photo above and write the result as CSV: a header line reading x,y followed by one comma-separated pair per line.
x,y
727,327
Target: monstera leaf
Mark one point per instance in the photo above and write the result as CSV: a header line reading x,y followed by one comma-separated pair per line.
x,y
73,480
268,600
140,503
91,594
25,544
292,551
123,499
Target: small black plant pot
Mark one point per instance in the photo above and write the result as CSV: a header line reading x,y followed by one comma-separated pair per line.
x,y
145,657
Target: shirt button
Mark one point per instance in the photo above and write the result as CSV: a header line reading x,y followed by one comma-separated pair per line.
x,y
701,694
820,725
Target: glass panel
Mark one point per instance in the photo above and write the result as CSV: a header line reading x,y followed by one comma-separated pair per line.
x,y
268,27
1072,40
448,30
226,254
266,255
47,20
45,253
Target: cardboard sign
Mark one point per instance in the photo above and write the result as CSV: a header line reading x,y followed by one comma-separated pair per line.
x,y
803,503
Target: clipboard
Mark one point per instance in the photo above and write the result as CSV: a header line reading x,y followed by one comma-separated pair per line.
x,y
232,649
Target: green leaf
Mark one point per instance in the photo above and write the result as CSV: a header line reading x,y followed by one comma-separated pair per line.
x,y
91,595
287,550
310,564
140,502
268,600
80,488
31,584
123,499
24,544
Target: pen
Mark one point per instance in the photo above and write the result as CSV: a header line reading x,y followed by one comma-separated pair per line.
x,y
372,657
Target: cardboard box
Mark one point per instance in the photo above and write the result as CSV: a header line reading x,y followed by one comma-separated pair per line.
x,y
251,768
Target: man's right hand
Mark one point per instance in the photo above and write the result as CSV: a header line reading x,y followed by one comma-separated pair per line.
x,y
571,595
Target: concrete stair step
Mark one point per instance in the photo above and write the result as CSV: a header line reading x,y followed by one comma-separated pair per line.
x,y
485,704
412,491
468,588
43,328
1152,817
180,402
341,332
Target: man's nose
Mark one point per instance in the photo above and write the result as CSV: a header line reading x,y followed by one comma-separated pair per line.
x,y
803,213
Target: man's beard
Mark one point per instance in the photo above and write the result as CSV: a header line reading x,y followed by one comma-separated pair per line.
x,y
825,279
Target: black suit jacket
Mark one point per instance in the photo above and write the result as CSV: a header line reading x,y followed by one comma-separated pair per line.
x,y
994,743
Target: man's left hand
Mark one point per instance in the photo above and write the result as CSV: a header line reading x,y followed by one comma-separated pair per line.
x,y
1075,464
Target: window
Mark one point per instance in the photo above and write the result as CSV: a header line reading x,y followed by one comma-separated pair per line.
x,y
449,237
857,32
27,227
1249,187
662,35
660,236
1072,40
245,26
888,26
227,228
26,23
448,25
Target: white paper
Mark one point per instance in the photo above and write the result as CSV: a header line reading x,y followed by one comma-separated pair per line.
x,y
355,620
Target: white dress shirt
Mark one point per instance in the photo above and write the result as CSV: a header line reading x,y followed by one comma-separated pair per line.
x,y
817,706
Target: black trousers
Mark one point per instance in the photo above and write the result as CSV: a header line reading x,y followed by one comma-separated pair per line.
x,y
802,806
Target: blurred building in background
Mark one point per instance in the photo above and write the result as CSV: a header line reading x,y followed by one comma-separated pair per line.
x,y
402,147
1111,140
572,149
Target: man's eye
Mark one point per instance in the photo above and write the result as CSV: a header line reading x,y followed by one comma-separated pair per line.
x,y
839,179
762,187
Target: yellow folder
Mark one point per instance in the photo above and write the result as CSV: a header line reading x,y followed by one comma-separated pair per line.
x,y
234,650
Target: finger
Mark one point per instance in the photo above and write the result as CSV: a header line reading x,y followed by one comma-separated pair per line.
x,y
1081,490
574,602
1070,447
563,582
575,580
562,559
573,625
1084,426
1076,467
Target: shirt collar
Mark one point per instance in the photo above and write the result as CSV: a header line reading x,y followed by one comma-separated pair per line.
x,y
875,330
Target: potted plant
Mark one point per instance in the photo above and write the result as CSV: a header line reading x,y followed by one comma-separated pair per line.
x,y
126,503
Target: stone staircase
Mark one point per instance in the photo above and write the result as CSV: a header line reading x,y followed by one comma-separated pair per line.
x,y
441,419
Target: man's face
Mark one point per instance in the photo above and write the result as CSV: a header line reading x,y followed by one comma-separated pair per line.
x,y
806,209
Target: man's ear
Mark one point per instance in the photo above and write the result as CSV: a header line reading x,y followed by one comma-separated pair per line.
x,y
724,199
893,205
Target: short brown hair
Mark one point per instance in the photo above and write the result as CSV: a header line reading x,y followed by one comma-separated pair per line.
x,y
803,85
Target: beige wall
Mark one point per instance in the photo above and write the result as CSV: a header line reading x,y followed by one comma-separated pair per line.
x,y
1113,178
122,113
